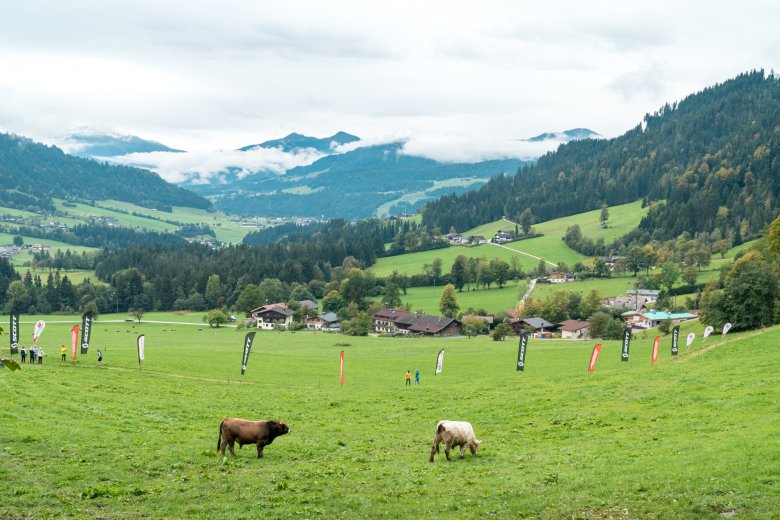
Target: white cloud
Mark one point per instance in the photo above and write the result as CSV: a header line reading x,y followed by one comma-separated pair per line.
x,y
208,75
202,167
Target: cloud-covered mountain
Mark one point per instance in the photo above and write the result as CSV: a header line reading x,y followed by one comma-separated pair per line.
x,y
101,145
575,134
368,181
335,176
295,142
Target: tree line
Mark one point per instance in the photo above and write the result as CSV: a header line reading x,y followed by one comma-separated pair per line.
x,y
712,157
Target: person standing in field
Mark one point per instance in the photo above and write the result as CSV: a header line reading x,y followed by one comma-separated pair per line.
x,y
417,376
408,377
24,354
40,355
63,351
32,355
100,357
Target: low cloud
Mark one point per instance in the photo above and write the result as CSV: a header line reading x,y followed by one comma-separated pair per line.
x,y
204,167
474,148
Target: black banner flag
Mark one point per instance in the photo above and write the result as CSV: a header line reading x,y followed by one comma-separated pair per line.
x,y
626,344
675,339
521,351
86,331
14,333
247,349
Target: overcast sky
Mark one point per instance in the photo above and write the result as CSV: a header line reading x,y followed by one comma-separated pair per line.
x,y
460,80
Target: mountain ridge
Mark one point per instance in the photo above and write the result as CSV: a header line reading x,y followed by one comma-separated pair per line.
x,y
32,173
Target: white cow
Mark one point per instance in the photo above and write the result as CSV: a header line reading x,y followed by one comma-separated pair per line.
x,y
454,433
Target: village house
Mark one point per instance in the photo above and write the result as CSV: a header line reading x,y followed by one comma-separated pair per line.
x,y
611,261
537,326
502,237
385,320
392,321
40,247
308,305
559,277
273,316
574,329
636,299
650,319
327,322
488,320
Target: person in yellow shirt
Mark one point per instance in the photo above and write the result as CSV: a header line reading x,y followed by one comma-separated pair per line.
x,y
408,377
63,351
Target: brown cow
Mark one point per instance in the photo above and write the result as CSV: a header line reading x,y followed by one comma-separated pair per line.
x,y
261,433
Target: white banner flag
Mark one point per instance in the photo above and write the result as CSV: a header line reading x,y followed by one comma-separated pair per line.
x,y
140,349
39,326
439,361
726,329
691,337
707,332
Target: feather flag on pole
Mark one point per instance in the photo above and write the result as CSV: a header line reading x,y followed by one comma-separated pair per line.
x,y
655,348
594,356
726,329
74,340
247,349
86,331
341,368
626,344
707,332
439,361
140,342
39,326
521,351
689,340
675,339
14,333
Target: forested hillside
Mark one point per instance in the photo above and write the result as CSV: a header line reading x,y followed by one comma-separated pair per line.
x,y
32,173
713,157
354,184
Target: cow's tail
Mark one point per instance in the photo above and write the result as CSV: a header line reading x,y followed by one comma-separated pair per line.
x,y
219,439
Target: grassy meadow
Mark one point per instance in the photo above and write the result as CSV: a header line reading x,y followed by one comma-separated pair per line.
x,y
426,299
692,437
551,247
413,263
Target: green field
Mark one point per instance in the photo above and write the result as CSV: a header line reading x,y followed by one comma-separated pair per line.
x,y
550,247
622,219
412,263
226,228
493,300
691,438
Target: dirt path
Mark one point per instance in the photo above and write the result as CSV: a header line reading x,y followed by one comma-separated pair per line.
x,y
523,253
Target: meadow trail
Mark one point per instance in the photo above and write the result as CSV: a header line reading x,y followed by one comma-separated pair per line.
x,y
695,353
524,253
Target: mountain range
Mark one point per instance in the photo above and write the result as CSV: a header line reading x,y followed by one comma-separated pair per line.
x,y
574,134
329,182
101,145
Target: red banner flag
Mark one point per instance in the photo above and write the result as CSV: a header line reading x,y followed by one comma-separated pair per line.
x,y
74,339
594,357
342,368
655,348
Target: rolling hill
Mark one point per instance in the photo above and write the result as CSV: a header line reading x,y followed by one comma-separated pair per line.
x,y
32,174
714,157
